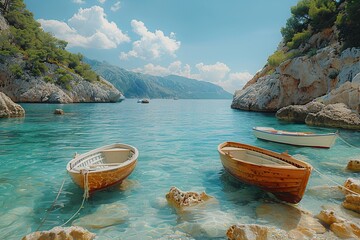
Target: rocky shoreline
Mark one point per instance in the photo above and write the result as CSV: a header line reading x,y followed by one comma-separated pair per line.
x,y
329,76
333,222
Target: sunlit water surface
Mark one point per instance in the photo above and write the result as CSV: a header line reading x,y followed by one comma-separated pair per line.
x,y
177,141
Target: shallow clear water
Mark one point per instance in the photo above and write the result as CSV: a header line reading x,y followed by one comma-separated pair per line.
x,y
177,141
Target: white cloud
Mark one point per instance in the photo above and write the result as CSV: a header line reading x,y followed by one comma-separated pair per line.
x,y
218,73
175,68
152,45
115,7
102,1
88,28
213,73
235,81
79,1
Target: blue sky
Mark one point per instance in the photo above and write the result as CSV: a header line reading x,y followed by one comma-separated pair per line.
x,y
224,42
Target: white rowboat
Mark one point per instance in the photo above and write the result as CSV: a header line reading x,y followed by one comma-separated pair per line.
x,y
295,138
103,167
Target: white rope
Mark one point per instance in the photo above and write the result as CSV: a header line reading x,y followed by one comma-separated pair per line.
x,y
347,143
339,185
52,205
85,195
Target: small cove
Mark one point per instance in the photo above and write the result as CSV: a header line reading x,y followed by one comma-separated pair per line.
x,y
177,142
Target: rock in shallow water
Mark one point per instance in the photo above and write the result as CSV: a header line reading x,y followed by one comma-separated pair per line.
x,y
59,112
340,226
255,232
181,199
290,218
353,165
60,233
9,109
334,115
106,215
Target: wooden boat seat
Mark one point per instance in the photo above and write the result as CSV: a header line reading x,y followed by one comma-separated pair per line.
x,y
253,157
116,155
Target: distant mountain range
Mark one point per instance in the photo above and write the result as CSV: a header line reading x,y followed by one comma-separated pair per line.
x,y
137,85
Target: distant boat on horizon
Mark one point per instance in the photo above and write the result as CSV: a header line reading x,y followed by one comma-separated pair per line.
x,y
306,139
144,100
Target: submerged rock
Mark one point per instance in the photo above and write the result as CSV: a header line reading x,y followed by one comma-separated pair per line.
x,y
352,185
205,222
353,165
291,219
340,226
106,215
9,109
255,232
181,199
352,191
59,112
60,233
352,202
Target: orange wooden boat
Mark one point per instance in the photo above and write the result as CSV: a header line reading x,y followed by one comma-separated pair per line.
x,y
103,167
278,173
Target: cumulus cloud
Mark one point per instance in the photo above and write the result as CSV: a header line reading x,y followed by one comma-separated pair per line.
x,y
102,1
175,68
115,7
213,73
79,1
152,45
218,73
88,28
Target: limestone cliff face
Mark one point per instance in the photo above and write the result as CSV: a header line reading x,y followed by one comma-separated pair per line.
x,y
27,88
301,79
21,86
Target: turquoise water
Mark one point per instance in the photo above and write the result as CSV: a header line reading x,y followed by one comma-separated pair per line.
x,y
177,142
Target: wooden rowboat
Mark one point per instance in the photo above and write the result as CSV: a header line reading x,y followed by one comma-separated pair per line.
x,y
280,174
103,167
295,138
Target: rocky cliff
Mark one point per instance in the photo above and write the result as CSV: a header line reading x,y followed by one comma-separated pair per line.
x,y
27,88
54,81
301,79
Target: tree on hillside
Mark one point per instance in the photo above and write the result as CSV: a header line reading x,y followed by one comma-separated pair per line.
x,y
4,5
348,23
317,14
37,46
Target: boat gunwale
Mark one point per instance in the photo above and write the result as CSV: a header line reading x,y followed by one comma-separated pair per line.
x,y
106,147
297,165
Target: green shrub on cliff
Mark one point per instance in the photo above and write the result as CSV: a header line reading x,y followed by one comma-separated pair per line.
x,y
16,70
65,81
348,23
26,37
298,39
276,58
308,17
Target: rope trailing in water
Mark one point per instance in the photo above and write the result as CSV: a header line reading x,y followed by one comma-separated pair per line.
x,y
337,184
346,142
52,205
85,195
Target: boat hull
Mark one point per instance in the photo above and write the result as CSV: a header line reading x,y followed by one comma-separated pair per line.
x,y
306,140
287,183
101,180
103,167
